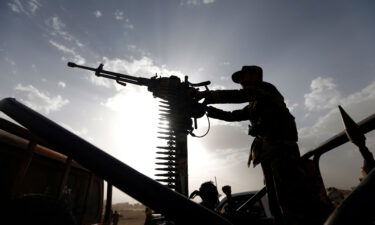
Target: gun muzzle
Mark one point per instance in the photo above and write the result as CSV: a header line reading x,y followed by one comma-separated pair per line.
x,y
70,64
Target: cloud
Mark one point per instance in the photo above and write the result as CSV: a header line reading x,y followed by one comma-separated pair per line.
x,y
119,15
97,14
196,2
77,58
33,5
40,101
10,61
29,7
128,25
62,84
291,106
82,132
58,28
139,67
323,95
227,136
99,81
359,105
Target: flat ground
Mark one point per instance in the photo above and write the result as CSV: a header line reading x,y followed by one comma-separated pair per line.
x,y
132,217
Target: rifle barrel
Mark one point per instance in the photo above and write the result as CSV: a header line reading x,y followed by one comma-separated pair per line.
x,y
113,75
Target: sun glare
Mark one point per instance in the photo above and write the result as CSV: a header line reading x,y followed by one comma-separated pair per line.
x,y
133,130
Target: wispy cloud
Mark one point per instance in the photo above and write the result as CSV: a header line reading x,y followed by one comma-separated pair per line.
x,y
62,84
196,2
58,28
119,15
291,106
77,58
323,95
97,14
99,81
128,25
10,61
27,7
39,100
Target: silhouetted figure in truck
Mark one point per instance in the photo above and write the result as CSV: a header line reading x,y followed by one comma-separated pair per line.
x,y
115,218
275,144
229,209
209,195
149,220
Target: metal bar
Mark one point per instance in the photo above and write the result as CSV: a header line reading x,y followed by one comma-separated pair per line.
x,y
182,183
108,205
65,176
253,198
365,126
19,131
87,195
169,203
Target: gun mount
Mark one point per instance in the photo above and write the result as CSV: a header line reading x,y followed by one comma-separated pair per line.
x,y
178,108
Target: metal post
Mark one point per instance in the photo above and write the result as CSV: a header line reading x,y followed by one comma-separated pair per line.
x,y
64,179
182,182
108,205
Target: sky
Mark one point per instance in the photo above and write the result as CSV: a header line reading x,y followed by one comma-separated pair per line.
x,y
319,54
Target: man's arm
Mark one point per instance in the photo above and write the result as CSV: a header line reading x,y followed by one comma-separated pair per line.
x,y
227,96
236,115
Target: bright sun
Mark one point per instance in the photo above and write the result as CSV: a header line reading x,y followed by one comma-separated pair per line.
x,y
133,129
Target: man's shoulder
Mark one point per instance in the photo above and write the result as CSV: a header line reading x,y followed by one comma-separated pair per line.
x,y
265,86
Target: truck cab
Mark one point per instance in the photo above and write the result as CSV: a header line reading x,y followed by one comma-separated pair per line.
x,y
35,180
244,213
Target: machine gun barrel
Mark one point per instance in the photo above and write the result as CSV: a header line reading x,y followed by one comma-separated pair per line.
x,y
119,77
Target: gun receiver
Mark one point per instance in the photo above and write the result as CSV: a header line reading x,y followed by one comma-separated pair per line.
x,y
179,106
162,87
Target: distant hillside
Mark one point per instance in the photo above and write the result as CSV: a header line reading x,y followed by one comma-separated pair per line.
x,y
127,206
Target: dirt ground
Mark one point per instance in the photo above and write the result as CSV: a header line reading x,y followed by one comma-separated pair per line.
x,y
132,217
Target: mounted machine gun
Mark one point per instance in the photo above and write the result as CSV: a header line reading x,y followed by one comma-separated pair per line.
x,y
179,106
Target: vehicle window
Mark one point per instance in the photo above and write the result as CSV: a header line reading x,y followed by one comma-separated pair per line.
x,y
43,176
255,211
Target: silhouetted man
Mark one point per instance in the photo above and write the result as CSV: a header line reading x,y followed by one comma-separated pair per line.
x,y
115,218
228,193
275,144
209,195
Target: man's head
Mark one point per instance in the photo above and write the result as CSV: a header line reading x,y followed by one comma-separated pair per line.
x,y
248,75
208,192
